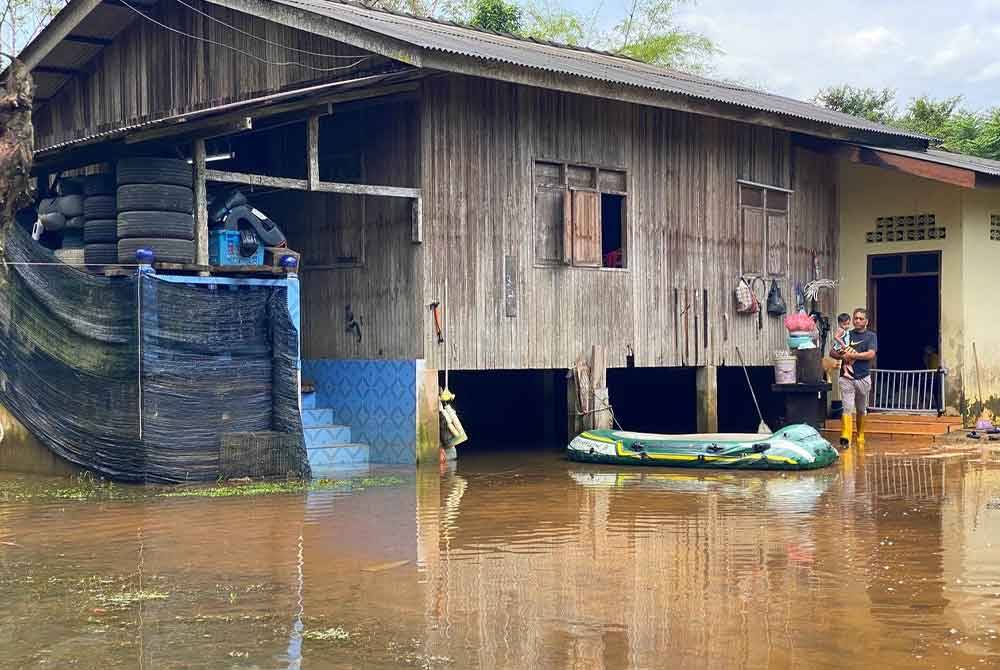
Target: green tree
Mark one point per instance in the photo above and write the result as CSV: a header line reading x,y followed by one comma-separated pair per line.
x,y
648,33
497,16
868,103
21,20
554,23
927,116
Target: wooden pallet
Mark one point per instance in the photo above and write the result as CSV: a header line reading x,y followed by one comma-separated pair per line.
x,y
262,271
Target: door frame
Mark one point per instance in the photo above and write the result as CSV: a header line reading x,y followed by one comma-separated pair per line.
x,y
872,297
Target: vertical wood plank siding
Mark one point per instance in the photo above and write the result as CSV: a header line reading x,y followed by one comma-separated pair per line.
x,y
481,138
384,292
149,72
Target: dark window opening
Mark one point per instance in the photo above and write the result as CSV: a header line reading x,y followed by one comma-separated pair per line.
x,y
887,265
612,230
580,216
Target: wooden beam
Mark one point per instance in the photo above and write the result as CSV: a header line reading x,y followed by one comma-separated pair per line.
x,y
62,25
200,204
368,189
312,143
303,185
85,39
257,180
908,165
48,69
204,129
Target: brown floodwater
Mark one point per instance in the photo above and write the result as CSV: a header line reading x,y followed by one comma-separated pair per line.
x,y
516,559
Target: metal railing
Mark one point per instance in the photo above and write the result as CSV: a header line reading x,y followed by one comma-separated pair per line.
x,y
909,391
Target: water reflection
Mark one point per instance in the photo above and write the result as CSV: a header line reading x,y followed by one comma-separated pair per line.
x,y
533,562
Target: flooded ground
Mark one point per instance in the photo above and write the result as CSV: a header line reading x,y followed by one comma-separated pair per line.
x,y
514,559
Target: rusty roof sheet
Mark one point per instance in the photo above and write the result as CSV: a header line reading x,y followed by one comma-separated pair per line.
x,y
974,163
601,66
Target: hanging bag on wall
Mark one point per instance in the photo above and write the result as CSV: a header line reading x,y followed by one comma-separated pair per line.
x,y
746,301
775,303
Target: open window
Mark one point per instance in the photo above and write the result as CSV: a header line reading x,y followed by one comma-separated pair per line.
x,y
763,217
580,215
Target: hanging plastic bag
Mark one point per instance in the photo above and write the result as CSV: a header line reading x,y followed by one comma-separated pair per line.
x,y
746,301
800,298
775,303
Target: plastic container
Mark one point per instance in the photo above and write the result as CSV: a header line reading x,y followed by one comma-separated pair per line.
x,y
224,249
784,368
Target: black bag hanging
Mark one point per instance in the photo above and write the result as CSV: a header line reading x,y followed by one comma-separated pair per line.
x,y
775,303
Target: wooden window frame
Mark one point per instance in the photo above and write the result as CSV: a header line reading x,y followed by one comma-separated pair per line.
x,y
765,236
568,190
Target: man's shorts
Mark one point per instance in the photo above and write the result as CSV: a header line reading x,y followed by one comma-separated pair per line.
x,y
854,394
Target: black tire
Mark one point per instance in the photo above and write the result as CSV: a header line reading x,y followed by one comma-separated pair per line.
x,y
158,225
99,184
155,198
100,230
99,207
100,254
165,251
53,221
155,171
70,205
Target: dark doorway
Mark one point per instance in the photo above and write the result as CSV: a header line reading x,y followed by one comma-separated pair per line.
x,y
904,294
654,400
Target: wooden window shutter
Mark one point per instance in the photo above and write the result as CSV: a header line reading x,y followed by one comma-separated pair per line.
x,y
549,217
587,228
751,240
567,246
777,242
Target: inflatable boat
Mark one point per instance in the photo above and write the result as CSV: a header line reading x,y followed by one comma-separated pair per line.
x,y
796,447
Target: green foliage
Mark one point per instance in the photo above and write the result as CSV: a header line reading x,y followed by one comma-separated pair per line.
x,y
952,127
868,103
648,34
496,16
21,20
553,23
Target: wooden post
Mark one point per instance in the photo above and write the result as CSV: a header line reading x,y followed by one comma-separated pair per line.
x,y
200,205
313,145
600,402
707,388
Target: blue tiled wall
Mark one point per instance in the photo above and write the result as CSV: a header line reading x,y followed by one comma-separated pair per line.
x,y
377,399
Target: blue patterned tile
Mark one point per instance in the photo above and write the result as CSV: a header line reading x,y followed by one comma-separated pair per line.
x,y
344,454
316,417
327,436
377,399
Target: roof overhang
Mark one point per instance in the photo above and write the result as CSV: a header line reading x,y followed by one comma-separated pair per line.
x,y
72,39
226,119
937,166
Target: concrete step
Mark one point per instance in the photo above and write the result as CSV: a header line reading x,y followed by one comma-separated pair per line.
x,y
312,418
918,418
903,427
342,455
331,435
878,437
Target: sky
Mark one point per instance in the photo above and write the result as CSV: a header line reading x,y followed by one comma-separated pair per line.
x,y
797,47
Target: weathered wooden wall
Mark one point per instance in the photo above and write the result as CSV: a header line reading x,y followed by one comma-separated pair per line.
x,y
150,72
384,290
480,139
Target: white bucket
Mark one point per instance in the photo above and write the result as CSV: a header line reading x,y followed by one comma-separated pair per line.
x,y
784,368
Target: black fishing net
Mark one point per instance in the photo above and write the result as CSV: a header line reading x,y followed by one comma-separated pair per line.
x,y
81,354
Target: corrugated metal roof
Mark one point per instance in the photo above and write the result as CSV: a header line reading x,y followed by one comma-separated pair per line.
x,y
251,105
974,163
466,41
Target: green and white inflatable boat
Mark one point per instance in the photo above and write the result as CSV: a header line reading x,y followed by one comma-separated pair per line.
x,y
796,447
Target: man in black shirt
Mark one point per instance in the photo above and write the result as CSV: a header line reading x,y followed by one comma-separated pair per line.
x,y
855,375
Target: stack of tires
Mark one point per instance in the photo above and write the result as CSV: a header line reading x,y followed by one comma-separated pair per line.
x,y
100,228
62,218
155,210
